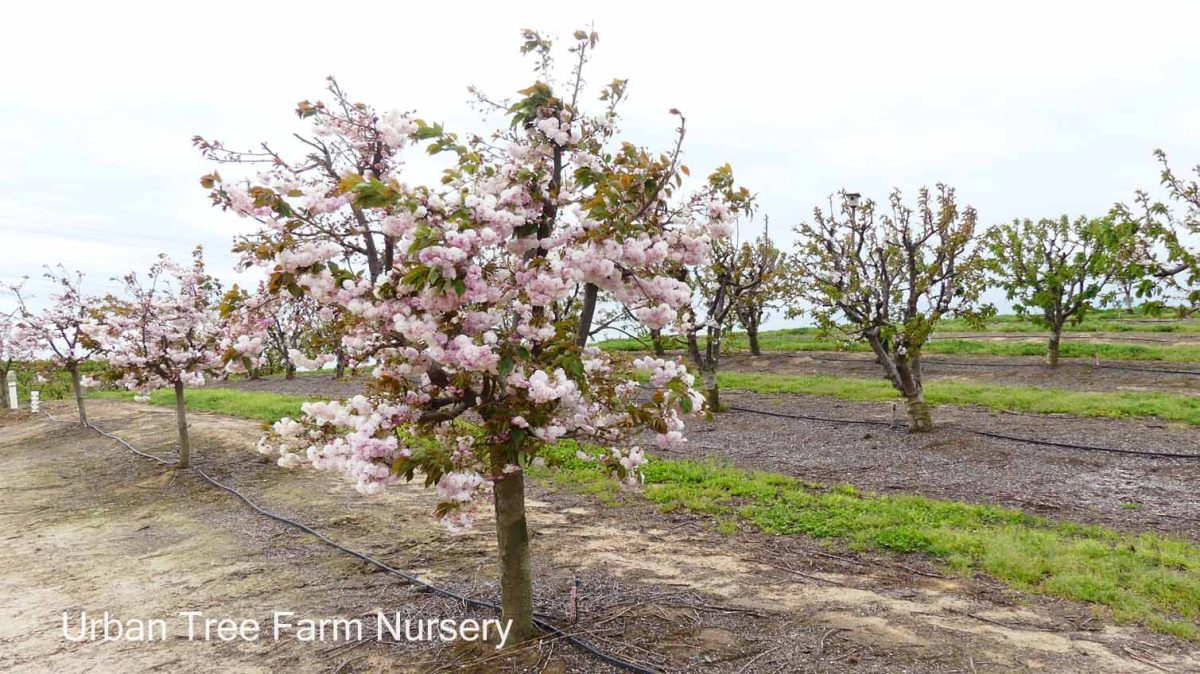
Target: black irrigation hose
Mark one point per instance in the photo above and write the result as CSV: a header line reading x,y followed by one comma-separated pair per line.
x,y
986,434
94,427
1089,448
1194,373
544,624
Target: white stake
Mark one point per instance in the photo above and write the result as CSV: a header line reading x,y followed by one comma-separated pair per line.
x,y
12,395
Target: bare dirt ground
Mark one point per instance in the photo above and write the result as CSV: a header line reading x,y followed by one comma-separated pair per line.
x,y
1072,373
88,526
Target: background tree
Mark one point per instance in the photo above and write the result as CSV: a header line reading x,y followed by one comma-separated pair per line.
x,y
620,320
721,284
244,340
60,330
1056,270
1171,227
164,330
12,350
276,328
752,305
458,308
1135,280
889,278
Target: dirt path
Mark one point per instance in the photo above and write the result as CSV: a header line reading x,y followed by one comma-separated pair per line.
x,y
87,526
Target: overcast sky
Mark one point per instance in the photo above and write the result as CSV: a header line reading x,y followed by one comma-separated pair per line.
x,y
1029,109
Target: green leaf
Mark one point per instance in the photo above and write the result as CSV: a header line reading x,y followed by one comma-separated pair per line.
x,y
685,404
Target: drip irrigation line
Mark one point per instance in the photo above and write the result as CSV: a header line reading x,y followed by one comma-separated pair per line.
x,y
986,434
541,622
101,431
1089,448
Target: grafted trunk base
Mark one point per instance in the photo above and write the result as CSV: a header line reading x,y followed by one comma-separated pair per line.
x,y
919,418
512,537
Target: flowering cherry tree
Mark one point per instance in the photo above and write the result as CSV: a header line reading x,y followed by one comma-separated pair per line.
x,y
11,349
275,329
60,329
453,292
164,330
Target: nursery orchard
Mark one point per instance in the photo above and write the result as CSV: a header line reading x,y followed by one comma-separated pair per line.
x,y
535,390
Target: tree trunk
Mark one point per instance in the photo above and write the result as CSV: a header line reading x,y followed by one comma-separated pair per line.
x,y
657,340
185,445
693,347
290,371
1128,301
512,537
586,313
919,419
74,370
752,335
4,401
339,369
1055,338
712,390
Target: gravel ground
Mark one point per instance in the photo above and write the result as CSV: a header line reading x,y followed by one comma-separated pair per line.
x,y
1072,373
1125,492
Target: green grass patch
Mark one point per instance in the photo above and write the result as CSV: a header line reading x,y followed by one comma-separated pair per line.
x,y
1143,578
1117,404
260,405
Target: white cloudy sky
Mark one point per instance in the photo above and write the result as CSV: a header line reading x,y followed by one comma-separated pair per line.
x,y
1028,108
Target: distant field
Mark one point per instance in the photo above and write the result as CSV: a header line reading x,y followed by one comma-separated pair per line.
x,y
1100,321
808,339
